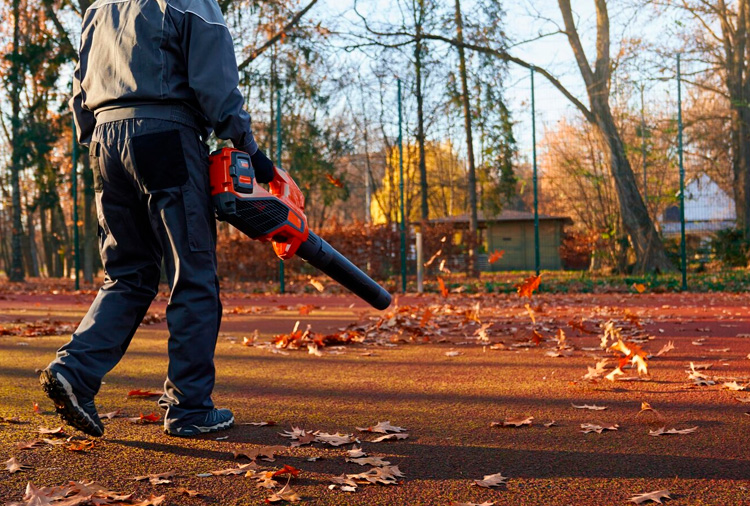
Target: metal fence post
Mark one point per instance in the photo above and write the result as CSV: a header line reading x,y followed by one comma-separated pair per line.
x,y
683,245
282,287
401,191
537,259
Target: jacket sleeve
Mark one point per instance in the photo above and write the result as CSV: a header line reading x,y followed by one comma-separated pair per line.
x,y
83,118
212,72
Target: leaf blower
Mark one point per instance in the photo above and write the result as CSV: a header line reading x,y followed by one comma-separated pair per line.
x,y
277,215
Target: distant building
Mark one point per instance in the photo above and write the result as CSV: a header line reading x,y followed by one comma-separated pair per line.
x,y
513,233
708,208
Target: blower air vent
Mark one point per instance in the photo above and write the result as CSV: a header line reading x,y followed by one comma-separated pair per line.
x,y
258,217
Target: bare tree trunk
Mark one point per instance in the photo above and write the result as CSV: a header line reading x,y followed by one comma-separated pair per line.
x,y
30,251
418,43
649,249
16,273
472,179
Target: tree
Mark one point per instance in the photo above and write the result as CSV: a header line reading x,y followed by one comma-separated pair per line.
x,y
15,78
721,41
649,249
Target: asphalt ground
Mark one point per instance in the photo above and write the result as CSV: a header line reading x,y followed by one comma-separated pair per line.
x,y
446,401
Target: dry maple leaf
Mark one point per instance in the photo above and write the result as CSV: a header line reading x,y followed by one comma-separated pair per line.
x,y
334,180
639,287
10,420
655,496
472,504
236,471
356,453
266,453
389,437
30,445
150,418
528,286
292,471
591,427
111,414
492,480
335,439
188,492
513,422
156,479
52,432
369,461
285,494
386,475
80,446
734,386
495,256
144,393
742,399
664,349
663,432
382,427
13,466
343,480
153,500
443,289
265,480
317,284
591,407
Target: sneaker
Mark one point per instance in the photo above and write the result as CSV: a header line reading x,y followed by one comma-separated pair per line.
x,y
216,420
81,415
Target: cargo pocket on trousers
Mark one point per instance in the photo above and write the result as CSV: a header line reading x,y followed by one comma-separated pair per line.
x,y
198,218
159,160
94,164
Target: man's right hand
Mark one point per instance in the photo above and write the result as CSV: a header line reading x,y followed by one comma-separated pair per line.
x,y
263,166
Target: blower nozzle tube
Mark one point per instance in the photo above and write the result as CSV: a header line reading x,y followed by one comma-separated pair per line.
x,y
321,255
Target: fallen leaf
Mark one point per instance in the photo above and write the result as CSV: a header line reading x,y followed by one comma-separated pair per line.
x,y
292,471
151,418
369,461
472,504
317,284
664,349
590,427
80,446
495,256
30,445
639,287
153,500
664,432
266,453
382,427
513,422
285,494
655,496
111,414
591,407
387,475
156,479
144,393
443,289
52,432
492,480
188,492
734,386
389,437
334,180
335,439
528,286
13,466
235,471
356,453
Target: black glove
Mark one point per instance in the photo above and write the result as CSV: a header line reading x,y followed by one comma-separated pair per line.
x,y
264,172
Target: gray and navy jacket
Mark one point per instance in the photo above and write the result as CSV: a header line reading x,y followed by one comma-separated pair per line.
x,y
166,59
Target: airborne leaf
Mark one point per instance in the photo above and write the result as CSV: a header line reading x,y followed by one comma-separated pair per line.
x,y
528,286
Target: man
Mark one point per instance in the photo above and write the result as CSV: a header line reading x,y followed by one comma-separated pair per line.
x,y
154,78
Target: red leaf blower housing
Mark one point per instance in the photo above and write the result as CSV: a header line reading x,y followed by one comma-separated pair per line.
x,y
277,216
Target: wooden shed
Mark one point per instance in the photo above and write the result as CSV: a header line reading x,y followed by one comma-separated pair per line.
x,y
513,233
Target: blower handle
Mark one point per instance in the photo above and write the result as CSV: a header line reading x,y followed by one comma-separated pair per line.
x,y
321,255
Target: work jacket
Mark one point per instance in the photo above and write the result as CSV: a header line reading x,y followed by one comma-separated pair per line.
x,y
166,59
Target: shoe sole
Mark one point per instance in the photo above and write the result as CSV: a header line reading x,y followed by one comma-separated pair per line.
x,y
66,405
196,430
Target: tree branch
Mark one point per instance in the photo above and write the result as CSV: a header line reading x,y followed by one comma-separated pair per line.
x,y
277,36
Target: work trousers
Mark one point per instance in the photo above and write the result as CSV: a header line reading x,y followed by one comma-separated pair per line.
x,y
153,204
